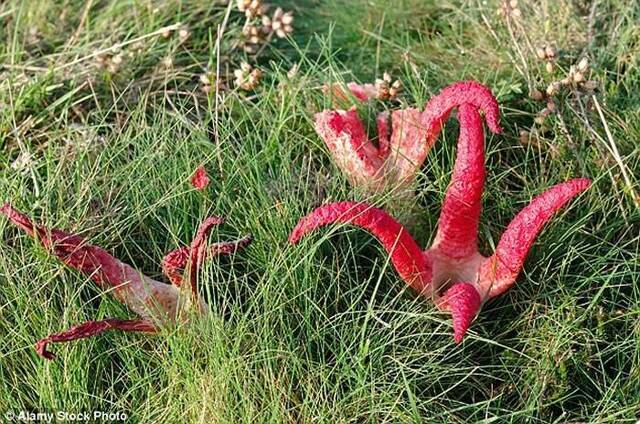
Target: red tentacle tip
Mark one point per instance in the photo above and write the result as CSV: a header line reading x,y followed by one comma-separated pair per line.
x,y
298,232
581,184
41,349
200,179
463,301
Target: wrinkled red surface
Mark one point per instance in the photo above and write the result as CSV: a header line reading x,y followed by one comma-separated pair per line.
x,y
406,255
463,301
158,303
475,277
90,329
499,272
396,158
354,153
142,294
453,259
408,148
471,92
458,224
200,178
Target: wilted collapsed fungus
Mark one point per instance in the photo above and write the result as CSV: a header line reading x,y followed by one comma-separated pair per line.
x,y
400,151
451,271
158,304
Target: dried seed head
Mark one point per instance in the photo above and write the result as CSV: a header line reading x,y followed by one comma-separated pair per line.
x,y
255,34
33,35
551,106
541,53
583,65
530,138
539,119
550,52
549,67
536,94
395,89
524,137
281,23
102,60
578,77
247,78
137,47
590,86
508,9
251,8
167,62
114,63
184,33
204,78
553,88
386,88
208,79
165,33
291,73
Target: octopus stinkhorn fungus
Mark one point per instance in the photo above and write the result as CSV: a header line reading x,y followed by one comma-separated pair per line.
x,y
452,271
157,304
400,151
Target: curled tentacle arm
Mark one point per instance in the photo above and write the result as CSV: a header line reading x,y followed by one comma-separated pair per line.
x,y
194,255
156,302
90,329
498,273
459,218
409,145
439,107
174,263
345,136
406,255
142,294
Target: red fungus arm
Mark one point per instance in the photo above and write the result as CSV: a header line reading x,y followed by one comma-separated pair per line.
x,y
458,224
409,145
463,301
438,108
500,270
382,124
406,255
174,263
90,329
199,251
194,255
345,136
145,296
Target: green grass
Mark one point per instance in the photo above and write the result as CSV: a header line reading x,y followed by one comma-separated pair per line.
x,y
324,331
